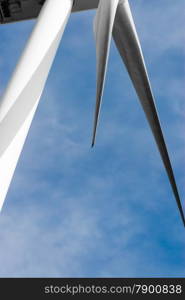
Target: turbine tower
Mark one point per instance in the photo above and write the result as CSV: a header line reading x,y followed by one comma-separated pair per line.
x,y
22,95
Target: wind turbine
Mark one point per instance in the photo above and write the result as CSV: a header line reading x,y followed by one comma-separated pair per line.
x,y
22,95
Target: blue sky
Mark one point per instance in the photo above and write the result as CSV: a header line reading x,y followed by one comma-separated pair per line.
x,y
74,211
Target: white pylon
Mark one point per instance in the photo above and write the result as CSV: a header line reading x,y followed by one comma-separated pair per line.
x,y
22,95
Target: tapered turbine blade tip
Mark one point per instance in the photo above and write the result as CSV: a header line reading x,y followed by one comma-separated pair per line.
x,y
93,140
103,27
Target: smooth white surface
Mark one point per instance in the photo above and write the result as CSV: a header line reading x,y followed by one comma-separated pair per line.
x,y
103,27
22,95
128,44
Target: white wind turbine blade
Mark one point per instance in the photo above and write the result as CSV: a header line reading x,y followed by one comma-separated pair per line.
x,y
128,44
22,95
103,27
